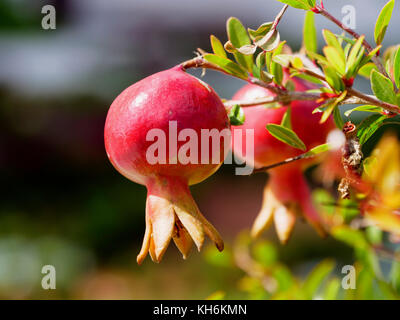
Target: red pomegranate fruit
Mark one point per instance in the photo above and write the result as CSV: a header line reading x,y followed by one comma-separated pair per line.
x,y
286,193
170,99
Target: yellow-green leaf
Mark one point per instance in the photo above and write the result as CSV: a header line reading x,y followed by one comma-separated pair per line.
x,y
317,150
217,47
236,115
332,40
335,59
287,118
300,4
238,36
366,70
310,32
227,65
383,87
383,22
316,277
396,68
365,108
286,135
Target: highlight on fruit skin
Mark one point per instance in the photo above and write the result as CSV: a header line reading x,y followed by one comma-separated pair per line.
x,y
165,100
286,193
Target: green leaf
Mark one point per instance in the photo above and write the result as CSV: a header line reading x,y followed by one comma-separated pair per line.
x,y
236,115
287,119
332,40
365,290
352,237
266,77
337,117
277,72
261,31
217,295
335,59
348,209
265,253
275,68
286,135
366,70
283,59
297,63
248,49
383,22
256,71
300,4
306,77
331,107
369,259
382,87
319,58
227,65
333,79
395,275
371,55
346,50
317,150
224,260
260,60
284,278
365,108
355,56
316,277
387,291
228,46
310,32
324,200
396,68
327,109
346,39
369,126
217,47
369,165
238,37
374,235
268,42
332,289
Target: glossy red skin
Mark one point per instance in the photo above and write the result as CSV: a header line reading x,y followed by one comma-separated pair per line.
x,y
171,95
268,149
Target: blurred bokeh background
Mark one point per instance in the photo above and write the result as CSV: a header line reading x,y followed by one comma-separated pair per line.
x,y
61,201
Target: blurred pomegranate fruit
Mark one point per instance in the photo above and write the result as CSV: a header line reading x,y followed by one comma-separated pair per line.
x,y
286,193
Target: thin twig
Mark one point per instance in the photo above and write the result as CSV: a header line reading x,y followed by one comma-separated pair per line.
x,y
279,16
281,163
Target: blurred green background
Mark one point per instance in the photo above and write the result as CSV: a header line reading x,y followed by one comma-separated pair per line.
x,y
61,201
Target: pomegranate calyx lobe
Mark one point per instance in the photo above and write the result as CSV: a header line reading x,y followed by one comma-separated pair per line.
x,y
171,213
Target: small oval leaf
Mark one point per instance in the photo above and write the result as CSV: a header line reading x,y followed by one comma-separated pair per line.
x,y
217,47
236,115
310,32
382,87
383,22
286,135
227,65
